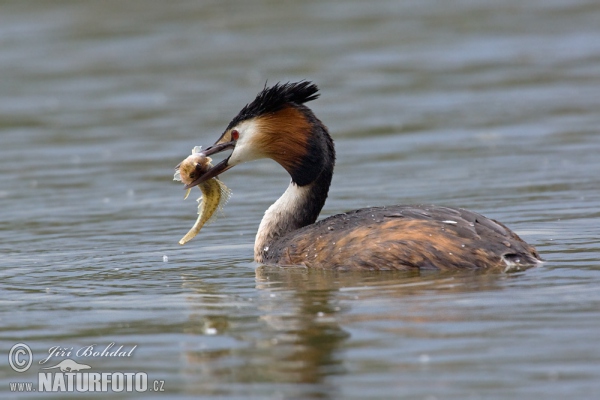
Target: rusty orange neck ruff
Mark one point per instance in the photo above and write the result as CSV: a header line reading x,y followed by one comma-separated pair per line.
x,y
298,141
301,144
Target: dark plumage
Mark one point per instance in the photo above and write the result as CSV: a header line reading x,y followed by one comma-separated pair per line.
x,y
275,98
424,237
279,126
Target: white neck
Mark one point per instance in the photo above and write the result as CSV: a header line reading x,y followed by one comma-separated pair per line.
x,y
287,214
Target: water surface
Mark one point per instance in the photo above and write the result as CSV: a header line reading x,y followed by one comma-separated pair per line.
x,y
491,107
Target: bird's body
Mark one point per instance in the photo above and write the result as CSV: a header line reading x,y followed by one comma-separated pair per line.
x,y
279,126
424,237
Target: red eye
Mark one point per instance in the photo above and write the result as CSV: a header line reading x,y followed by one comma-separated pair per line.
x,y
235,135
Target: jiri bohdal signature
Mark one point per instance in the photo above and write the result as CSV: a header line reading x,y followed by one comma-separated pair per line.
x,y
93,350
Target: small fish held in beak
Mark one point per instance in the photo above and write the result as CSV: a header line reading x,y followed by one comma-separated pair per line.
x,y
214,192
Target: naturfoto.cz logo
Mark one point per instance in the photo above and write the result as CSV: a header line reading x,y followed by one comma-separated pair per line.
x,y
69,375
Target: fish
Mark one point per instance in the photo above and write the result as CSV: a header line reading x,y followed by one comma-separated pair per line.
x,y
214,192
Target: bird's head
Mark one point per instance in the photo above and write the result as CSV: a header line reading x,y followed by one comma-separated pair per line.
x,y
276,125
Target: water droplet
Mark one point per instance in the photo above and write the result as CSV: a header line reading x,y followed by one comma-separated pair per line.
x,y
266,248
210,331
165,258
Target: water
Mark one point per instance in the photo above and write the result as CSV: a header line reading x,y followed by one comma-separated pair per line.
x,y
492,107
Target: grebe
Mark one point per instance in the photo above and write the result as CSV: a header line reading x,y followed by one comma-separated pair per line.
x,y
277,125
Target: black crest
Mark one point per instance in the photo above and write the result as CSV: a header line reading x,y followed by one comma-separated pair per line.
x,y
275,98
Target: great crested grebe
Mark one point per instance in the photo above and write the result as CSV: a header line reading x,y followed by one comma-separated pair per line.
x,y
279,126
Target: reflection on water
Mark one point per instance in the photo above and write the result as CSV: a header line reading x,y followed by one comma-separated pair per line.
x,y
306,319
491,107
300,315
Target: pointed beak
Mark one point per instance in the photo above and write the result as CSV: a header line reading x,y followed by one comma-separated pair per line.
x,y
217,169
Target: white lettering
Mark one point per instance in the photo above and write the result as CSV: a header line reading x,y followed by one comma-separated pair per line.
x,y
59,383
141,382
45,381
106,349
106,379
82,382
118,382
92,382
129,376
131,351
70,377
85,351
56,351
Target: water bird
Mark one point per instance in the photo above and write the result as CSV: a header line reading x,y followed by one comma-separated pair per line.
x,y
278,125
